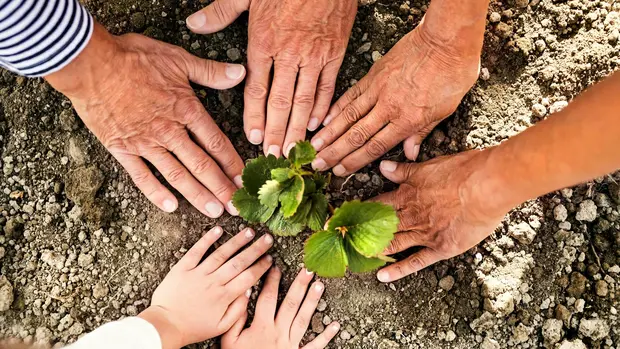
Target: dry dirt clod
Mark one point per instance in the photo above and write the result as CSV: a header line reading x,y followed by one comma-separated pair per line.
x,y
6,294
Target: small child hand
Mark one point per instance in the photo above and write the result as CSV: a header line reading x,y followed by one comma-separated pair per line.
x,y
198,301
287,329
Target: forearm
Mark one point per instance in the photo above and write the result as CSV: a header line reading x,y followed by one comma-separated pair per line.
x,y
130,333
575,145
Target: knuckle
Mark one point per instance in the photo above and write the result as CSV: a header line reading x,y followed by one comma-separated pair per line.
x,y
237,265
256,90
301,323
351,114
414,263
202,166
280,102
326,89
304,100
277,131
217,143
220,190
291,305
141,178
376,148
220,11
218,257
357,136
176,175
297,129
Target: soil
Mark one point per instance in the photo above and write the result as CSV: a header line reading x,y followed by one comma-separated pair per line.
x,y
80,246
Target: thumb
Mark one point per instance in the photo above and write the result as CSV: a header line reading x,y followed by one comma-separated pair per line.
x,y
396,172
216,16
235,331
216,75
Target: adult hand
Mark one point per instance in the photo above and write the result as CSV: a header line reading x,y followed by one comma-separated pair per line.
x,y
403,97
200,300
287,329
305,43
440,209
134,94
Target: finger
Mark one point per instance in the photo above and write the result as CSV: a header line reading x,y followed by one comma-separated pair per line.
x,y
412,264
196,252
293,299
302,320
268,298
222,254
412,147
207,172
352,140
279,106
244,260
322,340
324,94
180,178
302,107
340,124
381,143
146,181
235,311
396,172
404,241
213,74
255,96
230,337
212,139
216,16
347,98
249,277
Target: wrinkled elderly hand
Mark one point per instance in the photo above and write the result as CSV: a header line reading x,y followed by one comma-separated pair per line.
x,y
440,210
305,43
134,94
404,96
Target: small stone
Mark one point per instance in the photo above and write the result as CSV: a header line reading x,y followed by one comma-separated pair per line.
x,y
364,48
327,320
558,106
522,232
362,177
587,211
138,20
485,74
450,336
67,120
495,17
76,329
317,324
100,291
2,252
562,313
521,333
539,110
6,294
596,329
234,54
560,213
489,343
602,289
43,335
446,283
580,304
575,344
577,285
85,260
322,305
552,331
376,56
503,30
13,227
53,259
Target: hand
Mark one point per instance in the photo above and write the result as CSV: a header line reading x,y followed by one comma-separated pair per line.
x,y
403,97
305,43
287,329
440,209
198,301
134,95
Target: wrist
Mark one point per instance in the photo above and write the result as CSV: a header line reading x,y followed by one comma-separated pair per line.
x,y
171,337
84,74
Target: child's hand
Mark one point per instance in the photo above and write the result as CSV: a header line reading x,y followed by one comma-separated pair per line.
x,y
198,301
287,329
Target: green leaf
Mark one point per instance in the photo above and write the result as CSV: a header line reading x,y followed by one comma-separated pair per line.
x,y
318,213
250,207
302,154
309,186
282,174
325,255
301,216
291,196
258,171
359,263
284,227
321,181
269,193
370,226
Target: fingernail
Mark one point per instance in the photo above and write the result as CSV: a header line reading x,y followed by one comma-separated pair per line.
x,y
383,276
319,164
289,148
388,166
268,239
256,137
328,119
248,293
197,20
335,327
217,231
169,206
269,258
234,71
249,233
214,209
308,272
313,124
274,150
416,152
232,209
317,143
238,181
318,287
339,170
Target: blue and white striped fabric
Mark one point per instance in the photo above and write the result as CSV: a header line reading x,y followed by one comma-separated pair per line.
x,y
39,37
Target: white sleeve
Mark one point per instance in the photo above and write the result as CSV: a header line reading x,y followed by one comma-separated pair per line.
x,y
129,333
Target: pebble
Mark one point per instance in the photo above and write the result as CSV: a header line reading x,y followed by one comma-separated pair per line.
x,y
450,336
560,213
580,304
577,285
596,329
495,17
233,54
322,305
362,177
522,232
317,324
327,320
557,107
345,335
489,343
539,110
100,291
6,294
587,211
446,283
602,289
85,260
376,55
552,331
575,344
2,252
364,48
53,259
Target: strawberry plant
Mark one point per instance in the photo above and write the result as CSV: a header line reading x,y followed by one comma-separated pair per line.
x,y
288,196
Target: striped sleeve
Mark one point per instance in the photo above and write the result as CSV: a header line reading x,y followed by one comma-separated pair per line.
x,y
40,37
